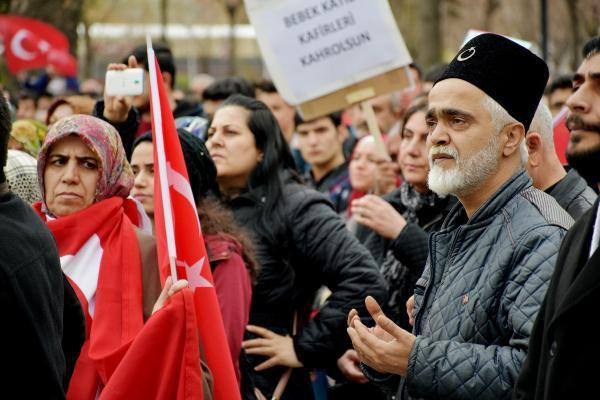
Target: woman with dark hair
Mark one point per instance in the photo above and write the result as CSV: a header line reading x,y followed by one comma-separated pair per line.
x,y
395,227
229,249
301,244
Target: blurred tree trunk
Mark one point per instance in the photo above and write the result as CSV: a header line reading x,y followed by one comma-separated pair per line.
x,y
431,39
86,70
575,36
490,8
164,17
65,15
232,6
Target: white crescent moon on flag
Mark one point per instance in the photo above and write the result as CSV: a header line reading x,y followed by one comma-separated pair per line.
x,y
17,47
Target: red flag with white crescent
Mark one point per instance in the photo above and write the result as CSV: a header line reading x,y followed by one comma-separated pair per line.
x,y
29,43
179,237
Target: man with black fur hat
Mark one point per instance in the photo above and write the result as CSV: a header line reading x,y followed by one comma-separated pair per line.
x,y
490,263
564,350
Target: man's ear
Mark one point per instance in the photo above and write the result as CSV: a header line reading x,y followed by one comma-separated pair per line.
x,y
342,131
533,141
513,134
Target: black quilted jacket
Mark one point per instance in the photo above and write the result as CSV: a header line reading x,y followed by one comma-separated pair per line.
x,y
313,248
410,247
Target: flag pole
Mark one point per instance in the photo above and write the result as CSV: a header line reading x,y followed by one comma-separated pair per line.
x,y
162,162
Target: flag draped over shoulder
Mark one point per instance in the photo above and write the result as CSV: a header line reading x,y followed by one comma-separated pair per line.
x,y
121,357
177,226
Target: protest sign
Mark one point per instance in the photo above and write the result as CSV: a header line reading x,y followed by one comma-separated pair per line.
x,y
324,55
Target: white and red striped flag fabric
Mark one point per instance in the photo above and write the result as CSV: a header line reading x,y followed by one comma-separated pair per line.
x,y
179,237
123,358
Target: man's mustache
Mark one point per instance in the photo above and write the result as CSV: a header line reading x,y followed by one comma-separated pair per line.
x,y
575,122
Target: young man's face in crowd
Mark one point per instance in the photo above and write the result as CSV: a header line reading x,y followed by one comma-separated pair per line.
x,y
26,109
319,141
284,113
384,112
558,99
584,108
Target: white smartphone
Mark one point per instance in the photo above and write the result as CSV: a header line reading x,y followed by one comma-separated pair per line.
x,y
129,82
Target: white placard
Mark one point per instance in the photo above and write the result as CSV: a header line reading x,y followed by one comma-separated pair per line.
x,y
315,47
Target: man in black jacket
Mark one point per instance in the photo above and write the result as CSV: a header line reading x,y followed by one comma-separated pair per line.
x,y
564,350
42,323
547,173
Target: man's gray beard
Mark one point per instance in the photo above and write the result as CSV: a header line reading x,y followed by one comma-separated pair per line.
x,y
468,174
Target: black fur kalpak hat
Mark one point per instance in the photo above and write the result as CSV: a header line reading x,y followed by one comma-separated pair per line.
x,y
505,71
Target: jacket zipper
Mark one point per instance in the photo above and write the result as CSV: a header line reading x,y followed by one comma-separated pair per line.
x,y
432,276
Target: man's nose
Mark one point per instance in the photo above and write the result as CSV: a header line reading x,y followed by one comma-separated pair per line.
x,y
579,102
438,136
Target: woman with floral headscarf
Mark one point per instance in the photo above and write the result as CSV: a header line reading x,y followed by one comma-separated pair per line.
x,y
112,265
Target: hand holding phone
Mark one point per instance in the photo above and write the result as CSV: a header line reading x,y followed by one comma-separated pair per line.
x,y
117,107
126,82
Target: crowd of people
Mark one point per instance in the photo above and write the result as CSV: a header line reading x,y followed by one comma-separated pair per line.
x,y
456,262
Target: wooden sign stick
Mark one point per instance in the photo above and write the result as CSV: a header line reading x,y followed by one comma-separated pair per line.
x,y
367,109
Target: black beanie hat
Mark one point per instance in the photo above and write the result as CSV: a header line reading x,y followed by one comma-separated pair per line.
x,y
505,71
200,166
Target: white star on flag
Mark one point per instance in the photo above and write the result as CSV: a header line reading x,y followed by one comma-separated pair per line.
x,y
194,274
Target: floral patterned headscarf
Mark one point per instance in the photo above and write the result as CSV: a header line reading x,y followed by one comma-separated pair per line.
x,y
116,176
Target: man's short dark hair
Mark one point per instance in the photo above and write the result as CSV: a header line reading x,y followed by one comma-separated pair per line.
x,y
335,117
163,54
592,47
27,95
223,88
265,85
560,82
5,126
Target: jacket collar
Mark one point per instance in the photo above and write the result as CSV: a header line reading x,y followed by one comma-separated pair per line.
x,y
569,187
512,187
258,194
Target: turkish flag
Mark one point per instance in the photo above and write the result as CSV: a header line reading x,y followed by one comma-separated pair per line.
x,y
561,135
29,43
179,236
123,358
163,360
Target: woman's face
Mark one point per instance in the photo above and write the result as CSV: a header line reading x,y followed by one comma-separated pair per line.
x,y
64,110
142,164
71,176
413,152
232,147
363,165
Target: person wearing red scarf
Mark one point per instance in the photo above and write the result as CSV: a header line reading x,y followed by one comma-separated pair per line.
x,y
112,265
